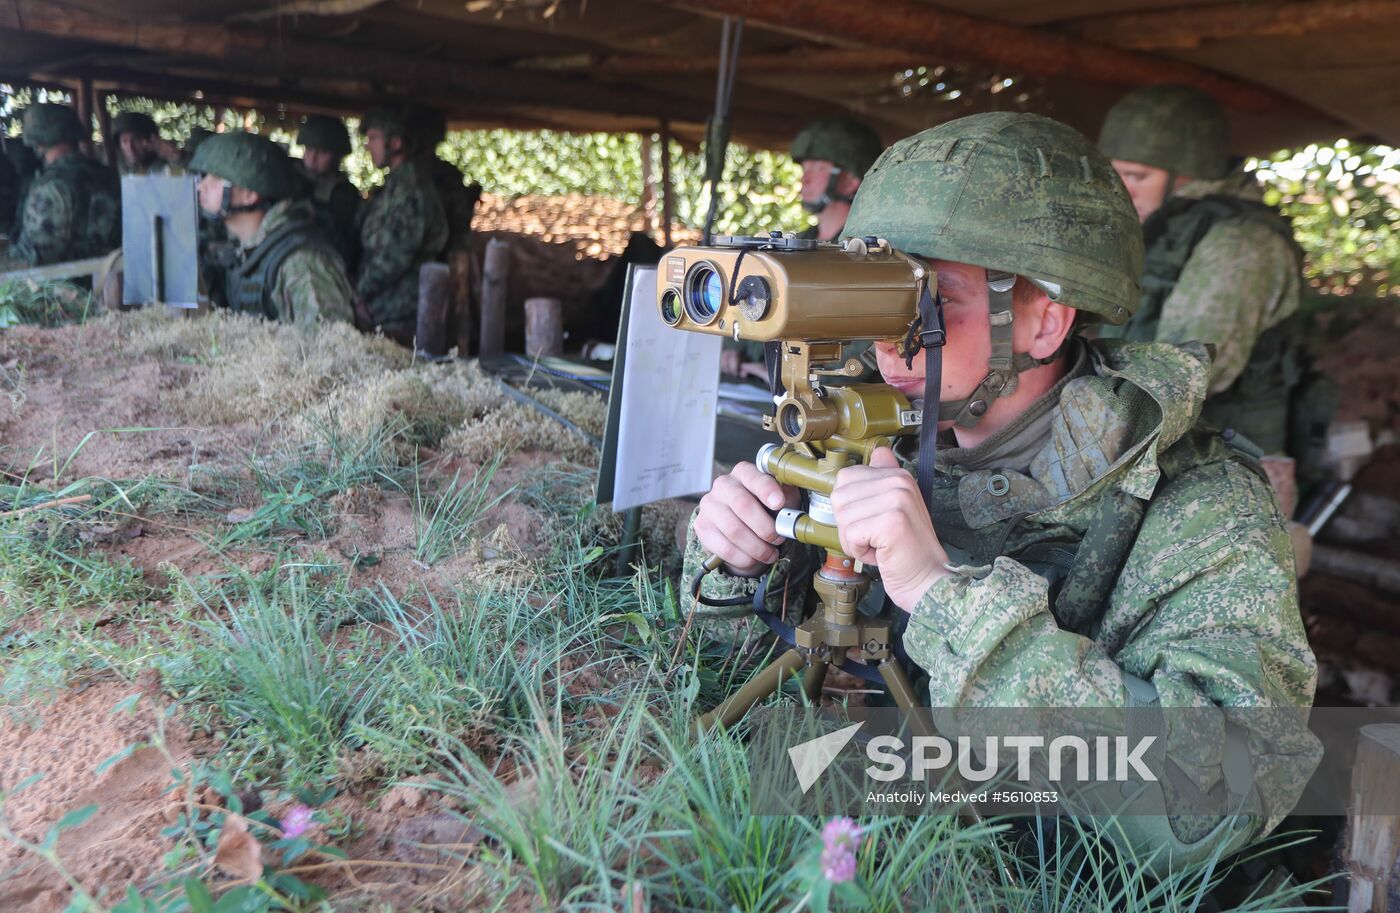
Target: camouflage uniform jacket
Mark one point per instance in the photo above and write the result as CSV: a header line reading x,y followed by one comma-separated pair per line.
x,y
72,210
402,227
337,203
1242,279
1135,562
310,285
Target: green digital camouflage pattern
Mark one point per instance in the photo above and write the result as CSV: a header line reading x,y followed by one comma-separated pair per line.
x,y
1175,128
1018,193
321,131
1241,279
71,210
338,203
249,161
48,124
311,285
403,227
1138,561
847,143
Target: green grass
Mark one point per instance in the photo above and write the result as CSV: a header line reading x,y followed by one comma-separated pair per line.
x,y
546,710
443,519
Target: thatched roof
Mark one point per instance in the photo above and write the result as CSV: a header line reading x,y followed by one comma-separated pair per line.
x,y
1288,72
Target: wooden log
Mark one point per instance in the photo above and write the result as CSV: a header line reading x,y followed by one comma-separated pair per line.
x,y
270,52
459,262
1190,27
804,60
495,274
1367,569
1375,838
434,297
544,327
69,269
915,27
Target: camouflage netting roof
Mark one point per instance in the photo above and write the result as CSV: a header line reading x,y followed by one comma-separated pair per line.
x,y
1287,73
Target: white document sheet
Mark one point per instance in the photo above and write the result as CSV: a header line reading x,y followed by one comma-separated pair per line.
x,y
670,390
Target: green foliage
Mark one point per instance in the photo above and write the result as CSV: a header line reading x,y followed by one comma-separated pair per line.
x,y
48,304
1344,201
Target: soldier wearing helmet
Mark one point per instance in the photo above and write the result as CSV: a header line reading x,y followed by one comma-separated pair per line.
x,y
72,208
1086,544
325,142
403,227
286,268
834,153
1221,266
140,147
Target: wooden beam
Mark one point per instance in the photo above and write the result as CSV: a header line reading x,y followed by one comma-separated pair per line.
x,y
274,52
1190,27
925,30
1374,838
803,60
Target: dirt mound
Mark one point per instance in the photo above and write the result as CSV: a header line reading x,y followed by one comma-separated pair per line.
x,y
96,746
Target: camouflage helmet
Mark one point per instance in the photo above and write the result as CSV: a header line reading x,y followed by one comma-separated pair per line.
x,y
320,131
848,144
1012,193
249,161
394,121
133,122
1175,128
48,124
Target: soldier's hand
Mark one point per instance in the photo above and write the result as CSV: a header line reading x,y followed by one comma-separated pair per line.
x,y
882,521
735,520
754,369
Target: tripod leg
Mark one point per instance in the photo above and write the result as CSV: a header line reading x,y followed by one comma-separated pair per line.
x,y
812,681
765,682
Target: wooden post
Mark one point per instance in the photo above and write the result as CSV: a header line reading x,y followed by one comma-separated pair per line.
x,y
648,184
104,127
83,104
494,275
667,207
1375,839
544,327
434,295
460,263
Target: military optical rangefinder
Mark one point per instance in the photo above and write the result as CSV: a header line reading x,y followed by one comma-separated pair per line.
x,y
779,287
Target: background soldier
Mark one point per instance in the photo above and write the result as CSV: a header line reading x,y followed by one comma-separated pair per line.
x,y
140,148
459,198
1221,266
287,269
326,143
834,154
1087,545
72,209
402,228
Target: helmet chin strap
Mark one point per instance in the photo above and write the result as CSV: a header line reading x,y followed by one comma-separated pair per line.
x,y
1004,366
829,195
226,207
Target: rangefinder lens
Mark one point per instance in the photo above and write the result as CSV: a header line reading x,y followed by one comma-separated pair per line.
x,y
704,293
671,311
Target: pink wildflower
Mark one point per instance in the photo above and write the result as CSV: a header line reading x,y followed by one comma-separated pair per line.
x,y
840,838
297,821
